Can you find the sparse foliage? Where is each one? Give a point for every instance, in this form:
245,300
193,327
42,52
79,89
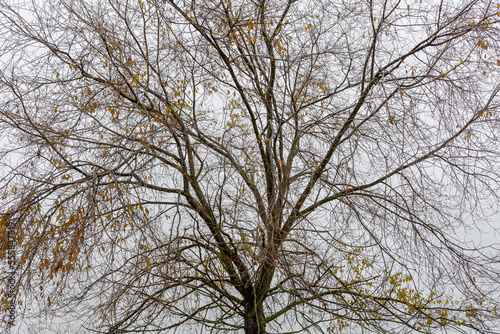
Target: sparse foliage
266,166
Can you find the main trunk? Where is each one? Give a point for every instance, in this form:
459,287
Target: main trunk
254,319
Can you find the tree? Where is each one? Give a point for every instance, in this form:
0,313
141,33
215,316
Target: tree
263,166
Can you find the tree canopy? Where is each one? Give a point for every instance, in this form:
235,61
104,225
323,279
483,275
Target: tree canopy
263,166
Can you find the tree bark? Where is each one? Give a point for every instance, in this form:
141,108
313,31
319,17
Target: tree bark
254,319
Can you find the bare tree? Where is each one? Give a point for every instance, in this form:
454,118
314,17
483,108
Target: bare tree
263,166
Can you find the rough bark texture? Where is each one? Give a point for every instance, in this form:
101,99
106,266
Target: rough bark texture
254,319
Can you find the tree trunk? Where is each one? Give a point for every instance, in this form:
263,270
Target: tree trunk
254,319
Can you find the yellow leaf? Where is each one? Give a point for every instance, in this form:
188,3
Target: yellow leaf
482,44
